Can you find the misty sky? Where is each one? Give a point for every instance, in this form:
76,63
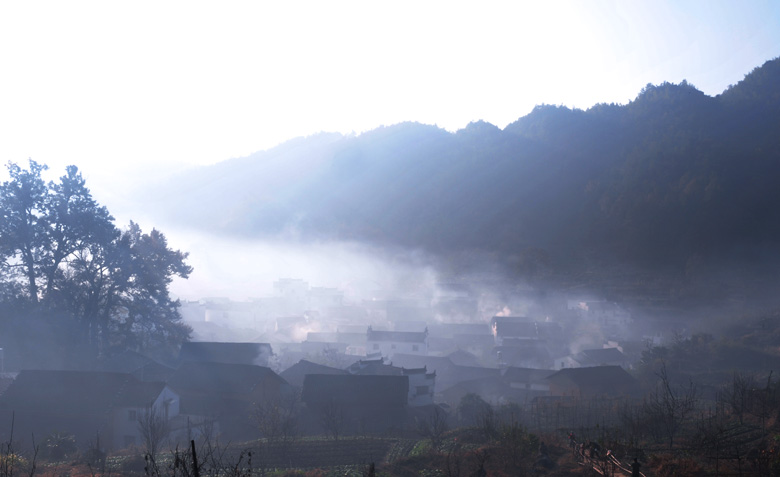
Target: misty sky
134,85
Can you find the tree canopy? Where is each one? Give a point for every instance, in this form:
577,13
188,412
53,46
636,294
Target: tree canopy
68,274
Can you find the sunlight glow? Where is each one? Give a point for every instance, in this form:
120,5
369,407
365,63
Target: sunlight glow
113,87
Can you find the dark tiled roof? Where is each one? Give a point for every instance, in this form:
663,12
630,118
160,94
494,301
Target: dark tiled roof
356,390
535,350
143,393
466,373
595,376
376,367
216,352
77,392
431,363
410,371
548,329
474,340
221,378
397,336
154,372
463,328
526,375
521,329
352,337
510,320
491,389
595,357
296,373
321,337
126,362
463,358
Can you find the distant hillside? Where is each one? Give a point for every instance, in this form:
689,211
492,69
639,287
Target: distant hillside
675,181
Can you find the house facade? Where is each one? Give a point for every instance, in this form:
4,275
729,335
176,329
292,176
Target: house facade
357,403
422,386
592,382
257,354
421,383
131,411
90,405
388,343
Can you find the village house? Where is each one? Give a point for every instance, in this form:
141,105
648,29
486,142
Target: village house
296,373
593,357
389,343
609,316
140,366
91,405
227,393
257,354
461,357
592,382
422,384
522,353
350,342
513,327
444,338
478,345
530,379
355,403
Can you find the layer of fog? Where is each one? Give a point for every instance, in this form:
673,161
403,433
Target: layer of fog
243,269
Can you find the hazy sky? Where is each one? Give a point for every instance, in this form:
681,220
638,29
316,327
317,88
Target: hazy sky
139,84
122,88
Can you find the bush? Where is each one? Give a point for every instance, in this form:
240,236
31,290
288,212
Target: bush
58,446
11,464
670,466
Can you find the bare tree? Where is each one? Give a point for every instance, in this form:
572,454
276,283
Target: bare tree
670,407
738,396
154,428
433,426
332,419
765,402
277,418
454,460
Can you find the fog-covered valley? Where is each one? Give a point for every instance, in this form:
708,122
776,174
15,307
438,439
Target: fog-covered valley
610,273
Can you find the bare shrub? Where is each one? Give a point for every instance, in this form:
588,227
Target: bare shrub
154,429
668,407
433,426
332,419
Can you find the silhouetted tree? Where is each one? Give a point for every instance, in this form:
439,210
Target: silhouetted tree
154,428
332,419
670,407
433,425
62,256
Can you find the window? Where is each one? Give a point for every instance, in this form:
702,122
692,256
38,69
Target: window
392,346
415,348
131,415
422,390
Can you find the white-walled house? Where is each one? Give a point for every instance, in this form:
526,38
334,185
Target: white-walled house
422,386
613,319
86,404
389,343
152,401
593,357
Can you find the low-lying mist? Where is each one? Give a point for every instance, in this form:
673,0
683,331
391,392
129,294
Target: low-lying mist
240,269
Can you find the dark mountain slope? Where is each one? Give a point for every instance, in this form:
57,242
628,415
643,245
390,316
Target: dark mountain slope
673,181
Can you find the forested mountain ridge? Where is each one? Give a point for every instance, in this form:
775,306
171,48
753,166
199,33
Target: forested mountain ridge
674,181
